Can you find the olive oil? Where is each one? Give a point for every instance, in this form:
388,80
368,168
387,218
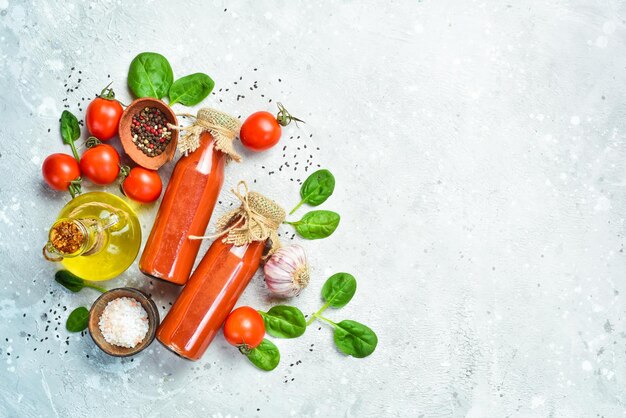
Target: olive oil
96,236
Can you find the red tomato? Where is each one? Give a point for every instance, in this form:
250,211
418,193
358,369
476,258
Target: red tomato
59,170
100,164
103,117
244,327
142,185
260,131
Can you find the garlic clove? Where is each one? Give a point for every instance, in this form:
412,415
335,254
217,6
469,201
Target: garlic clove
287,271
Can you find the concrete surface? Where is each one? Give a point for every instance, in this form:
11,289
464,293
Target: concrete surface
479,153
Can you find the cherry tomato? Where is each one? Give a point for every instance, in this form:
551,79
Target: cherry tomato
103,115
260,131
59,170
142,185
100,164
244,327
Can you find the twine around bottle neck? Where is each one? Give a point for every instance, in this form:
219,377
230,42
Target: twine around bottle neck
247,223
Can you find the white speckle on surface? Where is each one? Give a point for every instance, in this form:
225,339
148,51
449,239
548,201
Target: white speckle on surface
575,120
586,366
602,41
609,27
4,218
48,108
54,65
602,204
536,402
47,392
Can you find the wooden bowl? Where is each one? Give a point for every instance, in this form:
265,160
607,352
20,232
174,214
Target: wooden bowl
96,312
153,163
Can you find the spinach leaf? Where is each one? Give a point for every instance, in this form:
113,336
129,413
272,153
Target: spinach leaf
283,321
70,131
69,280
339,289
78,320
355,339
317,224
316,188
191,89
266,356
150,75
74,283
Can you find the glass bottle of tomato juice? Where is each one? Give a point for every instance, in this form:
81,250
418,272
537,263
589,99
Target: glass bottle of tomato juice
218,281
186,209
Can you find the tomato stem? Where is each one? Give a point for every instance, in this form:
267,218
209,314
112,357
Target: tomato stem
244,349
284,118
92,141
107,92
124,171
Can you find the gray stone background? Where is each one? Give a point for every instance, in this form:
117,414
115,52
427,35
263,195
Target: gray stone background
479,153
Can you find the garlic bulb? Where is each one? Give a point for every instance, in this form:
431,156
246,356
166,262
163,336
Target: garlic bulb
287,272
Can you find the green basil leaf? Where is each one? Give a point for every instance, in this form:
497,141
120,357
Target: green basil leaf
355,339
317,187
78,320
150,75
266,356
283,321
339,289
191,89
317,224
70,130
69,280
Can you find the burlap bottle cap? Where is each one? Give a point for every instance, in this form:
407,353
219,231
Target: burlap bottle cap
223,127
257,219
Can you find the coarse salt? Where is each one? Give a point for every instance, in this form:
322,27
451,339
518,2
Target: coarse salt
124,322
